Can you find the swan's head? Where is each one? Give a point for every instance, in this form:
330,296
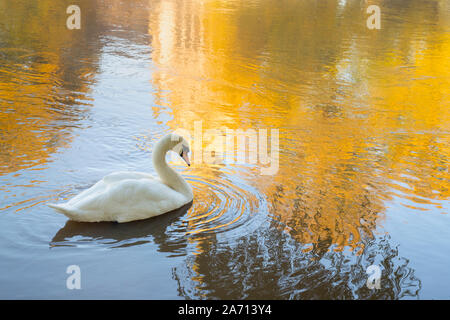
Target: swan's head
180,146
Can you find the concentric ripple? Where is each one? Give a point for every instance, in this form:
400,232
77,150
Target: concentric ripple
224,205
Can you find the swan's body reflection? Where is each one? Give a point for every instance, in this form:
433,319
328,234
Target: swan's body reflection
127,234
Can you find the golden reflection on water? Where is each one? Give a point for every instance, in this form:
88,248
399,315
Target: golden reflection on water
40,86
363,116
363,119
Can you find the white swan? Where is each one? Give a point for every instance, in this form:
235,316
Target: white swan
127,196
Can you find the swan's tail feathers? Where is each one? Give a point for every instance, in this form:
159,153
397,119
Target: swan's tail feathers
62,208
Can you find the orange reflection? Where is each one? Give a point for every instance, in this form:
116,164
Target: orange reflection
362,116
42,88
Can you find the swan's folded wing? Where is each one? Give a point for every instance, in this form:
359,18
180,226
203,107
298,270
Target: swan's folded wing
101,186
127,199
124,175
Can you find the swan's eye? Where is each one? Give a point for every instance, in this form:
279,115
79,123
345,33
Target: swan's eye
181,153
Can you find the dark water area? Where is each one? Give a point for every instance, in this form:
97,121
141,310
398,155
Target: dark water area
362,176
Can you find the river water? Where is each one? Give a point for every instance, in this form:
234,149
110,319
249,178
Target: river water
361,175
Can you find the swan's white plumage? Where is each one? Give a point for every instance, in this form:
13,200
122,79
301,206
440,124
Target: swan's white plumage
128,196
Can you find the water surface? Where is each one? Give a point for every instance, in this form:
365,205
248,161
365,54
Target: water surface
363,118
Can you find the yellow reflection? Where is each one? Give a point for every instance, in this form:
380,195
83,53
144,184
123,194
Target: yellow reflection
363,116
40,84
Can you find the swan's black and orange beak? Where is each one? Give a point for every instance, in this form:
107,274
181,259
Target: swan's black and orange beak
184,154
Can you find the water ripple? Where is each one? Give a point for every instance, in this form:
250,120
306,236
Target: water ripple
223,206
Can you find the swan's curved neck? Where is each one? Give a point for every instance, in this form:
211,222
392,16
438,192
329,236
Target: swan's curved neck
168,175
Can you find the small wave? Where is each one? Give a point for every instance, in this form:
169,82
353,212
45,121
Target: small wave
224,206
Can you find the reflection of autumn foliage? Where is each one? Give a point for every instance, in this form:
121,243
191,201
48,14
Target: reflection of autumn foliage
46,72
272,265
363,116
43,84
326,216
